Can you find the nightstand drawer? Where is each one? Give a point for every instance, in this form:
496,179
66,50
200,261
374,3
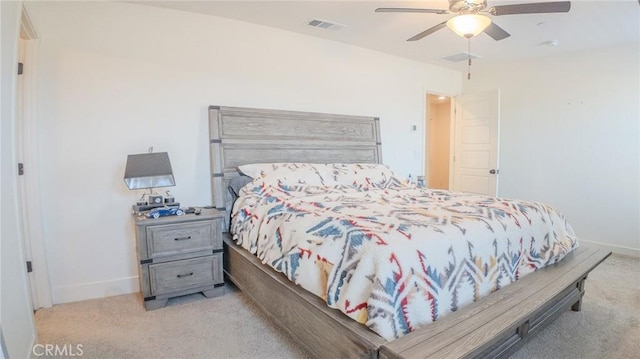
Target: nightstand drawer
173,239
181,275
180,255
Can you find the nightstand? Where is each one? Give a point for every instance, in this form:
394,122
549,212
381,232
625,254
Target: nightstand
179,255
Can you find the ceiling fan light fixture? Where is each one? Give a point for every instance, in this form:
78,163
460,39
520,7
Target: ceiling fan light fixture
468,25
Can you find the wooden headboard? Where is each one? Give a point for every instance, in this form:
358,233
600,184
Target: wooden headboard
240,136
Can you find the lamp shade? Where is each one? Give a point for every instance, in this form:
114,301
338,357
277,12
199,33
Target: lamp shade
148,170
468,25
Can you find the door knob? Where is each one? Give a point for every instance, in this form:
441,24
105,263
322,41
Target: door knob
494,171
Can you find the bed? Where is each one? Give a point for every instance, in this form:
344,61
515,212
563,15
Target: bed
493,326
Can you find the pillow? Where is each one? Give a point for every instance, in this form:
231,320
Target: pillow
236,184
289,174
362,174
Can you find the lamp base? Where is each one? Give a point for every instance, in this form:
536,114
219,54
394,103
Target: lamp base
146,207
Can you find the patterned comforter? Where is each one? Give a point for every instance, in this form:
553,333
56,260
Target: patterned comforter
392,256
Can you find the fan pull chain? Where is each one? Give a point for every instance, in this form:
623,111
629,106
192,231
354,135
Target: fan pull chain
469,55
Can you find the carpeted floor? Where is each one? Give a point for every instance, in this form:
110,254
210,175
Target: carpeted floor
232,327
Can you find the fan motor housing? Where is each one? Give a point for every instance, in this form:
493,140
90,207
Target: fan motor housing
467,6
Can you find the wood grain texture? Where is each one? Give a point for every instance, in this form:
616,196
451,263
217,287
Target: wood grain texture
477,329
175,276
239,136
190,237
494,326
324,332
179,255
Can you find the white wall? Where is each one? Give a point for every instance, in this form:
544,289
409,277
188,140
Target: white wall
570,135
16,318
116,78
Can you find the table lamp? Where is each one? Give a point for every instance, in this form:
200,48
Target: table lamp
149,170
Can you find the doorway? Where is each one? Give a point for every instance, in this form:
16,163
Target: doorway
462,142
438,139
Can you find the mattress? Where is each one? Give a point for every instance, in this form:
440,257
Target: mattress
391,256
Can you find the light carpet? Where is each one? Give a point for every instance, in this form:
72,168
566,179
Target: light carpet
232,327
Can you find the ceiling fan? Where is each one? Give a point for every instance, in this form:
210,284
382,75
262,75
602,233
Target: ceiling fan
469,19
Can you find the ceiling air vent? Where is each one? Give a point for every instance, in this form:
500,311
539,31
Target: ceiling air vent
463,56
324,24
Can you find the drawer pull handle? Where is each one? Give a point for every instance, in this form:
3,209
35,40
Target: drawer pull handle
182,238
185,275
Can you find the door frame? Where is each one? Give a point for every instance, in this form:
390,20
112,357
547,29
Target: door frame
452,136
427,134
29,202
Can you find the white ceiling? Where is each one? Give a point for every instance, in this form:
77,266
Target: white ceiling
589,25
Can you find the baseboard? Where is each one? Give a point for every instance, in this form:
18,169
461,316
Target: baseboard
633,252
74,293
84,291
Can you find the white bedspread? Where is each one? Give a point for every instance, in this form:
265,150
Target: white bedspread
398,257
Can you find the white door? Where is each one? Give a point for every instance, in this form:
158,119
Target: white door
477,130
28,184
21,182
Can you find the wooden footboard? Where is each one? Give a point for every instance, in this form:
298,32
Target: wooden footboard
500,323
322,331
492,327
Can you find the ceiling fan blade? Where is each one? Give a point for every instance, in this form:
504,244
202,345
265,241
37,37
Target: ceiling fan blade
428,31
400,9
533,8
496,32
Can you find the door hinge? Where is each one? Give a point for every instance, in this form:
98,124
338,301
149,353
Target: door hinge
29,267
20,169
20,68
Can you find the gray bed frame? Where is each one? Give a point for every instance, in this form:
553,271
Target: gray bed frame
492,327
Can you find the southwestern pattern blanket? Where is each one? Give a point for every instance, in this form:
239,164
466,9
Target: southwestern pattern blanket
387,254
